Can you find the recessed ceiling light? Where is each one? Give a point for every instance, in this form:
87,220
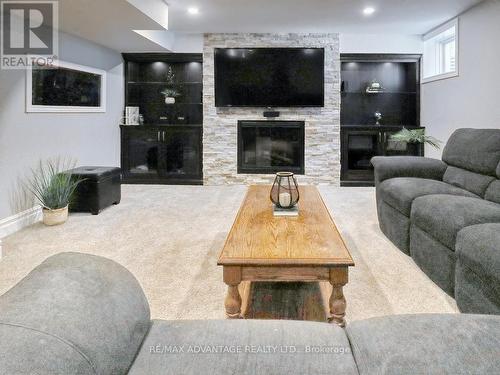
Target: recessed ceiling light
368,11
193,10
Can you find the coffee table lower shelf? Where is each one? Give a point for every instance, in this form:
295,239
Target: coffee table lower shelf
238,277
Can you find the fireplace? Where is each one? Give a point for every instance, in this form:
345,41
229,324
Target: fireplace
266,147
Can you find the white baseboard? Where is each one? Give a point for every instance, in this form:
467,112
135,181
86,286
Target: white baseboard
18,221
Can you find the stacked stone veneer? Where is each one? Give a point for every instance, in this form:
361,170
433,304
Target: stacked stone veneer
322,125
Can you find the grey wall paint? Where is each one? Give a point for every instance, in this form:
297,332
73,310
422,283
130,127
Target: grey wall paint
471,99
25,138
381,43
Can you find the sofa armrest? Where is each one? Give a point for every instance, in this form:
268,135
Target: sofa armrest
387,167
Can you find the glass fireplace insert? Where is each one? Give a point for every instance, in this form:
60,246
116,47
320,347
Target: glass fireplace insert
266,147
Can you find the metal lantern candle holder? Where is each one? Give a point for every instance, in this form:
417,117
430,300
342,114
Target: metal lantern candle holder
285,191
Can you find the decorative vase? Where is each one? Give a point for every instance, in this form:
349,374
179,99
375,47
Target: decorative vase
285,191
55,217
169,100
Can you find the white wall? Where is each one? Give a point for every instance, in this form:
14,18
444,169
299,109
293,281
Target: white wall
349,43
380,43
25,138
188,43
473,98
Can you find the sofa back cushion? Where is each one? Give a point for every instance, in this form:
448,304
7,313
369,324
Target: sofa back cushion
87,308
476,150
474,182
493,192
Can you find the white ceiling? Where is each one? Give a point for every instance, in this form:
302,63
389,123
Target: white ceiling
345,16
111,22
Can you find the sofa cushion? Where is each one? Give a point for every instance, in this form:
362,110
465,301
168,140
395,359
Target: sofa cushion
472,295
477,150
395,225
25,351
493,192
477,280
244,347
443,216
474,182
400,192
435,259
427,343
92,304
478,248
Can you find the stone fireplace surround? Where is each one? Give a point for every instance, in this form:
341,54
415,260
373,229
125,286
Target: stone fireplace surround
322,125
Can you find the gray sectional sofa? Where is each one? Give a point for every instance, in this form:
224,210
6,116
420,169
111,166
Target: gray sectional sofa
83,314
445,214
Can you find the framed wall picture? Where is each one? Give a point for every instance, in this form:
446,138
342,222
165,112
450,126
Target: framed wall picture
65,87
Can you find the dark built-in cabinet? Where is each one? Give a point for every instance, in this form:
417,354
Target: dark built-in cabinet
167,148
161,154
386,84
360,143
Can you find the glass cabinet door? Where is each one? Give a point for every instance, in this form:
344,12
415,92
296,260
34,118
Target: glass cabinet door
143,151
395,148
181,153
358,148
361,148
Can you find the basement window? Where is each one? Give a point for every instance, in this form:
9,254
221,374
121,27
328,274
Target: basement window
441,52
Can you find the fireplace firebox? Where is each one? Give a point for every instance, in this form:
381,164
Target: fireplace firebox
266,147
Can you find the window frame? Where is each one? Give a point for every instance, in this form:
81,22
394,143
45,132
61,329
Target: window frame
431,34
33,108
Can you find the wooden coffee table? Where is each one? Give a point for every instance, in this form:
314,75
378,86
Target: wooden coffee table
262,247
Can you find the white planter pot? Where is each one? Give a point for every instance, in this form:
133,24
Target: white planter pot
169,100
55,217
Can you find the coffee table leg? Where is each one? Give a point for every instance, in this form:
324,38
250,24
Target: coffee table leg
338,278
232,303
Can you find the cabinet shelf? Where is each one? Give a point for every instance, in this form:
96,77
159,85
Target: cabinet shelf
135,104
164,83
379,93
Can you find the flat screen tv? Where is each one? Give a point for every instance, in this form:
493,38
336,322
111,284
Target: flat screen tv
269,77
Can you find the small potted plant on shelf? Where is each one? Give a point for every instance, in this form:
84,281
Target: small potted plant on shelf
170,95
53,189
414,137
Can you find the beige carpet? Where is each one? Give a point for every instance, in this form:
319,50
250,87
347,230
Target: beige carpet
169,237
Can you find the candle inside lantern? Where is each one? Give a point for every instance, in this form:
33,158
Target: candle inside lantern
285,199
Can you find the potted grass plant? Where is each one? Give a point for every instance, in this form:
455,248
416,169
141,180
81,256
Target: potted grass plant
415,137
53,189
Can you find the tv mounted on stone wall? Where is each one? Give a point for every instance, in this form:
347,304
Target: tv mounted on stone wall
269,77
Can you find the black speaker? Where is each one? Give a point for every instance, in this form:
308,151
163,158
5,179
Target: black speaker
271,114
